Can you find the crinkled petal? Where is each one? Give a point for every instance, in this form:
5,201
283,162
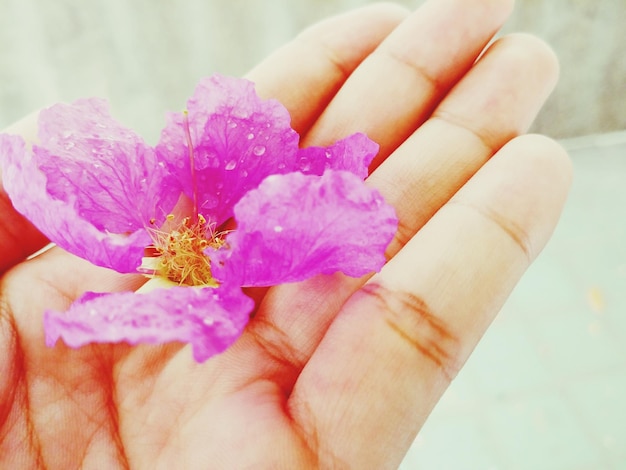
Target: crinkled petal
103,169
60,222
209,319
353,154
238,139
295,226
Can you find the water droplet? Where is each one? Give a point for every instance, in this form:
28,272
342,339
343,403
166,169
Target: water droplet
232,125
278,228
231,165
305,166
328,154
258,150
250,136
211,202
208,321
214,162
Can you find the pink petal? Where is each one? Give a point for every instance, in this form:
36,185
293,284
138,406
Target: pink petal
103,169
59,221
295,226
238,140
353,154
209,319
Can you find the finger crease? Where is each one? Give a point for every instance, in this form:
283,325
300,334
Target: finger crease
329,53
512,230
403,234
276,345
411,319
486,140
420,71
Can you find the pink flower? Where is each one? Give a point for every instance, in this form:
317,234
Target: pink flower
97,190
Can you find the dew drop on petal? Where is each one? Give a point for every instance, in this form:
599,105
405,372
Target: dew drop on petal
328,154
211,202
232,125
278,228
250,136
258,150
230,165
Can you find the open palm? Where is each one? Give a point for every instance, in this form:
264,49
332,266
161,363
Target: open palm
333,372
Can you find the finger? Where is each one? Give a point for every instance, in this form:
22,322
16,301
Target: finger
399,341
18,237
496,100
396,87
304,74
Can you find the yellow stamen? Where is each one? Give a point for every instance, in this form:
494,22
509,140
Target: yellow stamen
180,253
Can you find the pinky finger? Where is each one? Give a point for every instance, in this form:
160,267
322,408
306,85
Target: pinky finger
399,341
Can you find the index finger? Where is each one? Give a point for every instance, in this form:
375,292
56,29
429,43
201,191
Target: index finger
305,74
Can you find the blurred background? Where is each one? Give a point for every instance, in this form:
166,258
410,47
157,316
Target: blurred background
147,56
546,389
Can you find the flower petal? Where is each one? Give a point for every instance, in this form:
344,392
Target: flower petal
295,226
103,169
353,154
60,222
209,319
238,139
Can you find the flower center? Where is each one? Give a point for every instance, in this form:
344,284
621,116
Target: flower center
178,254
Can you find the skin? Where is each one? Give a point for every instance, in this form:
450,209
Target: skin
333,372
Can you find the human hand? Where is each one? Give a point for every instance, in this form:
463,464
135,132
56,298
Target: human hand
334,371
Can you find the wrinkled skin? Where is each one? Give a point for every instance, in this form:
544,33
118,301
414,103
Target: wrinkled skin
332,372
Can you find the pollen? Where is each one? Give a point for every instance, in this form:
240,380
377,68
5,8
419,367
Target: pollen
178,254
